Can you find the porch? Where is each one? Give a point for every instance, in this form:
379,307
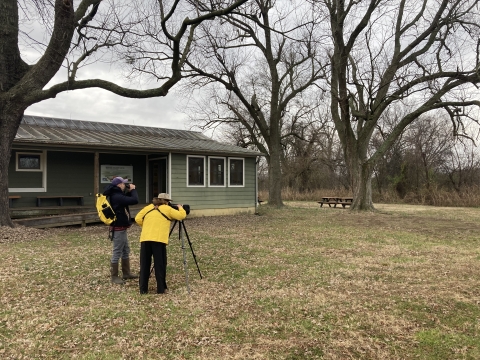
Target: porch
56,216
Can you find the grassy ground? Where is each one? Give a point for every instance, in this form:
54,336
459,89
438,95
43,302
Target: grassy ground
296,283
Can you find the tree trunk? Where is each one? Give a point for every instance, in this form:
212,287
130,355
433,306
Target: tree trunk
361,175
275,175
7,134
18,80
362,190
12,69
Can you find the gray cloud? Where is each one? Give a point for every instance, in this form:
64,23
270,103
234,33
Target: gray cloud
100,105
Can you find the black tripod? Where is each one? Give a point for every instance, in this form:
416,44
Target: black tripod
182,242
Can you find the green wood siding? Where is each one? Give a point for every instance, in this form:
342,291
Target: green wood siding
70,173
212,197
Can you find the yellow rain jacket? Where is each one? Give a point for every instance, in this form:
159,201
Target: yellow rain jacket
155,227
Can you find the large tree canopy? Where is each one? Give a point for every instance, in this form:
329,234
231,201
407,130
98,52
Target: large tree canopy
258,71
80,33
420,55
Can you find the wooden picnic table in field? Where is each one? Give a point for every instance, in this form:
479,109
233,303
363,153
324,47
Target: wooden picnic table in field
336,200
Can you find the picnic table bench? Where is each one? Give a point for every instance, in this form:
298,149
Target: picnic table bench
336,200
11,198
60,198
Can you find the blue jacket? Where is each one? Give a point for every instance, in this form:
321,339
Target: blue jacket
120,202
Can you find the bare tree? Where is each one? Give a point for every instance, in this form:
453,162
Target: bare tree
389,170
313,157
438,158
462,166
301,155
265,58
429,141
77,36
426,157
423,55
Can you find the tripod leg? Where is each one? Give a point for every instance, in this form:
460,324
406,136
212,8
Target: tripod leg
184,255
191,248
173,227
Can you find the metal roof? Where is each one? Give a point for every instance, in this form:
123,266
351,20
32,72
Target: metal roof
98,135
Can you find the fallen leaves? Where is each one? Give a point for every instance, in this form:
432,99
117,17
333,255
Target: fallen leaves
300,283
21,234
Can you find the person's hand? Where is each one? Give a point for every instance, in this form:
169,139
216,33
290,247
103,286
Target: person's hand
180,206
132,187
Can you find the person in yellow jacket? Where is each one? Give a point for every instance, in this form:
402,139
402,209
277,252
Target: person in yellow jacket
155,222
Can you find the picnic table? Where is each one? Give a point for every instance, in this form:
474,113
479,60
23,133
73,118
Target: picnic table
336,200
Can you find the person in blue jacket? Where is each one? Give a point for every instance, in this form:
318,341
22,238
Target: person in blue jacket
120,197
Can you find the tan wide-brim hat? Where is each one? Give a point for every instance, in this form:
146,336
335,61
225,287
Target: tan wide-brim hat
164,196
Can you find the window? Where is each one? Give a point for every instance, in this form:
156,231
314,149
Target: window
29,162
196,171
216,171
36,163
236,175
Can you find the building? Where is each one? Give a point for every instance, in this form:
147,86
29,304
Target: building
61,162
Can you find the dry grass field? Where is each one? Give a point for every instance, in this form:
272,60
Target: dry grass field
296,283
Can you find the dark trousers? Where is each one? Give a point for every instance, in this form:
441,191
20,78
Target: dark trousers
159,252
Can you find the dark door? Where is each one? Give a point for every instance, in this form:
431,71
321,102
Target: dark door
158,177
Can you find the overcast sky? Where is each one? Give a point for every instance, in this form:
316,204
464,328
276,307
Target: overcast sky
101,105
97,104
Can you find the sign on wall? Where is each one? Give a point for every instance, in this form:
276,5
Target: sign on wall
108,172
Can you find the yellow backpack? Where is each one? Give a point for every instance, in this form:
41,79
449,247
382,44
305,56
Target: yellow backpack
105,210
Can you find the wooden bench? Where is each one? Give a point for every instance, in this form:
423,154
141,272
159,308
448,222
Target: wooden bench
60,199
11,198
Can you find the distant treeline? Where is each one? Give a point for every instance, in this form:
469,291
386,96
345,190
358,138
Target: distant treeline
427,166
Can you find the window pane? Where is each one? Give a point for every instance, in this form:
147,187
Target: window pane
195,171
236,172
29,161
217,171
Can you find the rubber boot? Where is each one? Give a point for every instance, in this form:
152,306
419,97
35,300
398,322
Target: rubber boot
126,270
114,273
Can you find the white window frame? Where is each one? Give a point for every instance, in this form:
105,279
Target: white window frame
43,169
204,171
224,171
243,172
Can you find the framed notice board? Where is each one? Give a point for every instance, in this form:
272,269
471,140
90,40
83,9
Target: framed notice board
108,172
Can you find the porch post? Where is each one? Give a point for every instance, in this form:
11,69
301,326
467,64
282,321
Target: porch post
96,175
